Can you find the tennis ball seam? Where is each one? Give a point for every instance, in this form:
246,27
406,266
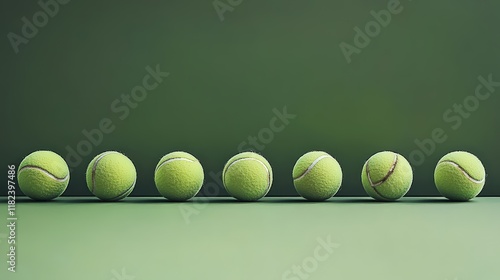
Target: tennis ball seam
249,158
172,159
94,167
123,194
469,177
47,173
310,167
389,173
384,179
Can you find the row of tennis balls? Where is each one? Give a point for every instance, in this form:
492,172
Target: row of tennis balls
248,176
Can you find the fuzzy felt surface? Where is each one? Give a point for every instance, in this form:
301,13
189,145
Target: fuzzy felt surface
179,176
43,175
111,176
317,176
459,176
387,176
247,176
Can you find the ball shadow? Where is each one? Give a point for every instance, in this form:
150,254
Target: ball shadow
435,200
359,200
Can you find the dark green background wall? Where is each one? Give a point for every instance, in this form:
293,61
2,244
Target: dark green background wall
228,77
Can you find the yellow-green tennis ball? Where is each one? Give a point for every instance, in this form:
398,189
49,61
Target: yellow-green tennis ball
178,176
317,176
111,176
387,176
247,176
43,175
459,176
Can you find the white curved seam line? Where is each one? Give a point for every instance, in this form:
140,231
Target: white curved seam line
45,172
465,173
173,159
94,167
267,169
310,167
382,181
127,191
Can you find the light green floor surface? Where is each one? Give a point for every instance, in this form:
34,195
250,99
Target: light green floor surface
275,238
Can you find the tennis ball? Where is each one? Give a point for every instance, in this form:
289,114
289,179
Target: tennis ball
111,176
387,176
317,176
178,176
459,176
247,176
43,175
